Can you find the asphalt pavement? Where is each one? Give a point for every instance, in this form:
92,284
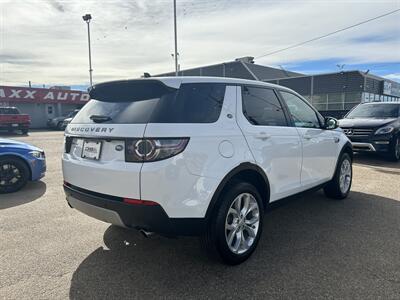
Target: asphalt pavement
312,247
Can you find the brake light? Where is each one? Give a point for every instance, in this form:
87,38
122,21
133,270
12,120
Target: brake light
68,144
140,202
153,149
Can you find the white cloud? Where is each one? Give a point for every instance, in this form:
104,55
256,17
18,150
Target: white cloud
394,76
46,42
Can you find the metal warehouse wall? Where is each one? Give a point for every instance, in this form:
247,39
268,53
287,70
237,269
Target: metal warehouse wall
302,85
325,84
338,82
37,111
373,85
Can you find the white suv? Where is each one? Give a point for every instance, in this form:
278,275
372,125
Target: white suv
199,156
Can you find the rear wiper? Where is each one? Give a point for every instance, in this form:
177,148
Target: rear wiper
100,118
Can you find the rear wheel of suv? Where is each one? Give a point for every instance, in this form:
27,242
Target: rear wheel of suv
235,228
339,186
394,150
14,174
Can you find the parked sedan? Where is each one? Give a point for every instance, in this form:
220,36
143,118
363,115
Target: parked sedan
66,122
19,163
57,123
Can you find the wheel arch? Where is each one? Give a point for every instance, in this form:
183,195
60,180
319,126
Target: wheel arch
347,148
248,172
21,158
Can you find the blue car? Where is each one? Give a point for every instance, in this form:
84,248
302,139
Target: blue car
19,163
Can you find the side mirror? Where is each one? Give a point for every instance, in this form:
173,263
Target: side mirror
331,123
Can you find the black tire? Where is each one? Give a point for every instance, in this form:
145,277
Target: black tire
394,149
9,184
60,126
333,189
25,131
215,240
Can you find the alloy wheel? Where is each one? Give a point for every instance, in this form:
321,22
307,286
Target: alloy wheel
9,174
242,223
345,176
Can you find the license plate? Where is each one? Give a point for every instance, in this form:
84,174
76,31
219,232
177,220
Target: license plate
91,149
14,125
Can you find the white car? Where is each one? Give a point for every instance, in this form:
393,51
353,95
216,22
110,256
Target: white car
199,156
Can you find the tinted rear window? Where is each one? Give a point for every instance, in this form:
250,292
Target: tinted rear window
191,103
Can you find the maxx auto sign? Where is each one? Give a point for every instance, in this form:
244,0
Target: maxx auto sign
36,95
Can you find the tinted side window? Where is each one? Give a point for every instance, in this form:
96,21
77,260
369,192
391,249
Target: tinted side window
261,107
303,115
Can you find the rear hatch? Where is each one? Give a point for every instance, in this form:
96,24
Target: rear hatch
99,138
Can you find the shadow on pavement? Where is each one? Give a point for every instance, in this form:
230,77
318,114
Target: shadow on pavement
9,135
375,160
31,192
311,247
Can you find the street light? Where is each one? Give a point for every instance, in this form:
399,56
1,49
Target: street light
176,42
87,19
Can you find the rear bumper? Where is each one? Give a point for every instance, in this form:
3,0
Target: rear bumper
113,210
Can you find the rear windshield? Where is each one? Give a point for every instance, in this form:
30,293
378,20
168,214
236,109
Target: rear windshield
191,103
377,111
9,111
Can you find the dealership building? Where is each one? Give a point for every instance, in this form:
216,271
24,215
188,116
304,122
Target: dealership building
42,104
332,94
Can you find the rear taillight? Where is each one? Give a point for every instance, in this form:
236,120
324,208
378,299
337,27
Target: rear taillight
153,149
68,144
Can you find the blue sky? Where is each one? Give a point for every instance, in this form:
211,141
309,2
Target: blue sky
47,43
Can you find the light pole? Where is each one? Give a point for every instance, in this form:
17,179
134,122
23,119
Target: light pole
176,42
87,19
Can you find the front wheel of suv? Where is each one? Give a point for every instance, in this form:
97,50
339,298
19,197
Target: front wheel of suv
235,228
394,150
339,186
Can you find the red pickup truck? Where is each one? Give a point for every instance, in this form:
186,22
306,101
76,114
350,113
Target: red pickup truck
12,120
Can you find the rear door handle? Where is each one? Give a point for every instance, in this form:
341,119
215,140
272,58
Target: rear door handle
307,137
263,136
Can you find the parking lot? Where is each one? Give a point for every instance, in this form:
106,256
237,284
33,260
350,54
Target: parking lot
312,247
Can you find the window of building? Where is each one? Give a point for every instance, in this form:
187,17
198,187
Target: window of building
262,107
320,101
335,101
